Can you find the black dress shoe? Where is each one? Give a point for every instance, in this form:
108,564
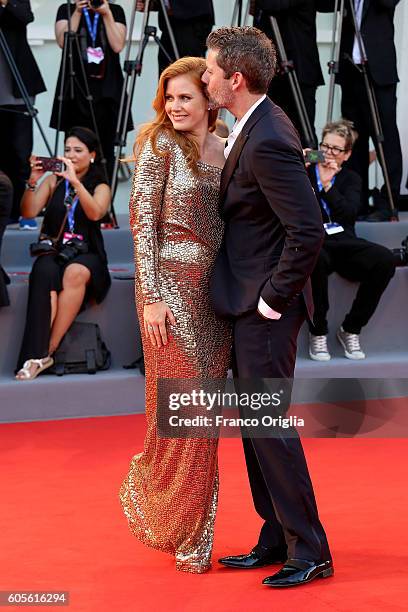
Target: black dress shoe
299,571
258,557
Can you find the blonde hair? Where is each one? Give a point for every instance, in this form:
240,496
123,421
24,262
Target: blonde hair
344,128
191,66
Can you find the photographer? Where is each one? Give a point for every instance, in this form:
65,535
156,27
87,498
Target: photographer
101,27
376,22
191,23
16,128
71,266
297,24
6,200
339,190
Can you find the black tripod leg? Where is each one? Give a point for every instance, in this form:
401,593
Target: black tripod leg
22,88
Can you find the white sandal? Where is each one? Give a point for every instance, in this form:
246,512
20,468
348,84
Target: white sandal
43,364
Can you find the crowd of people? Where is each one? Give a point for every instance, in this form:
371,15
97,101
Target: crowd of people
82,189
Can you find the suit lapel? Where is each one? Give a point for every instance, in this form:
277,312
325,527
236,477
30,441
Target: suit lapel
231,162
236,150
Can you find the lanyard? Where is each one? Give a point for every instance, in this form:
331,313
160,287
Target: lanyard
91,27
325,206
70,205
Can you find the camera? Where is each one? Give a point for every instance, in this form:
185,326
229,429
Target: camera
71,249
95,3
44,246
51,164
401,254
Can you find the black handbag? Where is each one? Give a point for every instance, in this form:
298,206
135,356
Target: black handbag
82,351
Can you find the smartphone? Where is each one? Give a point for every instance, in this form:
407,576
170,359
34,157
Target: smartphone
315,157
52,164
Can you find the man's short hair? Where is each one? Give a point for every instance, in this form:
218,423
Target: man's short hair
344,128
246,50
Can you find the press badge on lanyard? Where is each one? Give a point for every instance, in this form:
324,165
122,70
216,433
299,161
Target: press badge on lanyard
331,227
70,216
94,54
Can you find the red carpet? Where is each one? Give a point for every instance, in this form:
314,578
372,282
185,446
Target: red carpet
63,529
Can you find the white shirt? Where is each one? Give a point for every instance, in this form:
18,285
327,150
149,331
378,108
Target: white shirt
358,6
263,307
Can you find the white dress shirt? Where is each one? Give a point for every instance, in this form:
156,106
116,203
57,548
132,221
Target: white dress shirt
263,307
358,6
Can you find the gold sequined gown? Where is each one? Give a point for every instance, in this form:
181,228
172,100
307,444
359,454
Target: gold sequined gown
170,493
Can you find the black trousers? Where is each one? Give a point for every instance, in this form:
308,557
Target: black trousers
280,483
354,106
16,145
372,265
190,35
280,92
6,201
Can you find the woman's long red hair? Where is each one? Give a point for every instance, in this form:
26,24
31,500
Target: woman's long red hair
195,68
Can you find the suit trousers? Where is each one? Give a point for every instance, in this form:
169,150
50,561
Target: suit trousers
354,106
280,483
372,265
6,200
190,35
16,130
280,92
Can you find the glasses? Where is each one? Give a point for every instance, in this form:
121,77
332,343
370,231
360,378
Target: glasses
331,149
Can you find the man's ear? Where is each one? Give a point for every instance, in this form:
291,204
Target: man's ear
237,80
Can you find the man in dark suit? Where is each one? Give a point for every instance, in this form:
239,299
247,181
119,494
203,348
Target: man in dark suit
191,23
297,24
16,129
372,265
376,19
273,233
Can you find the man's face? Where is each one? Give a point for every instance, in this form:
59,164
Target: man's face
219,89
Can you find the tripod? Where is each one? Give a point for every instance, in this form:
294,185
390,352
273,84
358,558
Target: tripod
372,102
288,69
31,110
237,14
70,85
132,70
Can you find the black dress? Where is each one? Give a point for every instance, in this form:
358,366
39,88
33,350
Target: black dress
46,274
106,91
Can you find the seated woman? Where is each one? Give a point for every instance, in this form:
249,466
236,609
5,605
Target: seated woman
75,201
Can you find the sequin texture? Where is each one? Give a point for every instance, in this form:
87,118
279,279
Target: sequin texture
170,493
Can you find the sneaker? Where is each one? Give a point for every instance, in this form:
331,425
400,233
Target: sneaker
28,224
351,344
318,348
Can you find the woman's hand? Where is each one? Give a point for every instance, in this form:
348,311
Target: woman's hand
327,172
69,173
103,10
37,171
155,316
81,5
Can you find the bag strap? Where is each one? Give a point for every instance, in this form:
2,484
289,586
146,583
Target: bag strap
57,238
91,361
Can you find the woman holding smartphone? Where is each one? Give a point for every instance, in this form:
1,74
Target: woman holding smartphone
71,264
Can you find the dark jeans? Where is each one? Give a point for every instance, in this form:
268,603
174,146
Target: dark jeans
16,144
190,35
6,200
280,483
281,93
372,265
354,106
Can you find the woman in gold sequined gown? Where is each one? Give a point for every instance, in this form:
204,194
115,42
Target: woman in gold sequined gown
170,493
